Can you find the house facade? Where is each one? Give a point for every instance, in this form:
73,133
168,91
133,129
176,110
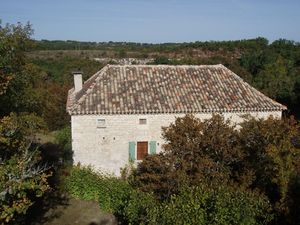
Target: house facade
118,113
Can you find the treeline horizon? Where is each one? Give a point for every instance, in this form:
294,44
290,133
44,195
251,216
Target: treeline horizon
252,43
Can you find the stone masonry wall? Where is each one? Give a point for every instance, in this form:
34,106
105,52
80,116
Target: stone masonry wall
106,148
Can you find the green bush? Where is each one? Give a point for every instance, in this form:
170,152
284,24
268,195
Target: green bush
114,195
212,205
63,138
138,207
64,141
202,204
86,184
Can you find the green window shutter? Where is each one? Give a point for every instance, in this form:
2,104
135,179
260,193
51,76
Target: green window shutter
131,151
152,147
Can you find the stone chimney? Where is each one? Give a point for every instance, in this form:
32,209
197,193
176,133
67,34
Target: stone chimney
77,80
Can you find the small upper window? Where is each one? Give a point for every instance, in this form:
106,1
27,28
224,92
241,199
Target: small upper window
143,121
101,123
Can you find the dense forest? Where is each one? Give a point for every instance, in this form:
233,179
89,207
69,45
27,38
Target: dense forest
257,167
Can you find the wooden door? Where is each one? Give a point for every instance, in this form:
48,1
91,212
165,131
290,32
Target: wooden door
142,150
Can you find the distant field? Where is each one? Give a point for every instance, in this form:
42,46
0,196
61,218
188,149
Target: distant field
46,54
91,54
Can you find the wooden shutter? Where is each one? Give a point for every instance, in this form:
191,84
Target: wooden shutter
152,147
142,150
131,151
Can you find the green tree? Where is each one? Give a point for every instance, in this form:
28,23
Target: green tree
14,40
272,149
195,151
17,78
22,176
261,155
276,81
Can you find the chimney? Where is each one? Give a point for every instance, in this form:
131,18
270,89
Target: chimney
77,80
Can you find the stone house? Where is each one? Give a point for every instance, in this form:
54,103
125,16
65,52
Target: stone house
117,114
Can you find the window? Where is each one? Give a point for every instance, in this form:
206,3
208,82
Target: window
139,150
142,150
142,121
101,123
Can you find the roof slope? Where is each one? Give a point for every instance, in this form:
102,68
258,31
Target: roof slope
140,89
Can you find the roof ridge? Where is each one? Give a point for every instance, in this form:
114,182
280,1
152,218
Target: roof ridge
166,65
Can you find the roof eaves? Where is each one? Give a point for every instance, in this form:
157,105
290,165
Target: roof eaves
134,112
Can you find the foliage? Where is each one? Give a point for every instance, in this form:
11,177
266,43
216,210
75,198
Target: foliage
22,176
293,202
214,204
114,195
53,111
17,132
86,184
57,80
22,179
59,70
139,207
157,174
260,155
252,44
63,138
201,204
30,92
17,78
195,151
275,71
24,86
14,40
272,154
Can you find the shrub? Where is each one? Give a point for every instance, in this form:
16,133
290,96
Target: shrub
157,174
63,139
138,208
23,176
114,195
86,184
22,181
216,204
194,151
272,153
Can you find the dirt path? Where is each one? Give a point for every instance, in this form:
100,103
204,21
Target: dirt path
77,212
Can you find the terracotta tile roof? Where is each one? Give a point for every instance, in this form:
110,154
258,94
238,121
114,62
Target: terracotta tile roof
140,89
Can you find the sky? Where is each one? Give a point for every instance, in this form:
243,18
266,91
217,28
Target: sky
156,21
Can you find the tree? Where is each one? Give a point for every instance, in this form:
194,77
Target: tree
22,179
275,80
194,152
17,131
14,40
22,176
272,149
18,78
261,155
